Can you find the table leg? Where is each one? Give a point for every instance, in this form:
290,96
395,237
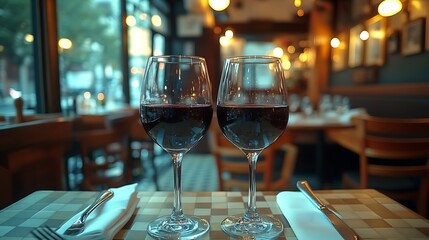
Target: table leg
321,164
155,173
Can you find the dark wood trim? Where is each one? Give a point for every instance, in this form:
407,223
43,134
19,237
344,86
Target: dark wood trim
46,63
410,89
124,53
257,27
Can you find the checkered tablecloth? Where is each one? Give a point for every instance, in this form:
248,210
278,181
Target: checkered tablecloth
371,214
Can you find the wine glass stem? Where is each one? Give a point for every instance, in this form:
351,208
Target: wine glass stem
177,205
251,205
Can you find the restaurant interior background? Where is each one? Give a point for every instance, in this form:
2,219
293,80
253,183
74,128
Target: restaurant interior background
81,56
67,56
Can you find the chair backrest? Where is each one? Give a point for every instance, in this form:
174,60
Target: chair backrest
32,157
19,110
129,120
392,139
87,122
105,158
232,161
20,117
394,148
137,131
109,135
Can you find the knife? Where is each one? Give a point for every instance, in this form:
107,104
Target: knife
345,231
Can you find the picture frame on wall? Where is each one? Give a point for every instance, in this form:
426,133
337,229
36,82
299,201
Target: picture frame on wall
413,37
427,33
356,46
375,51
394,42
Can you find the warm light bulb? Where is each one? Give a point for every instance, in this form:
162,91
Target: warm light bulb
224,41
389,7
278,52
229,34
286,64
130,21
335,42
65,43
29,38
303,57
156,20
87,95
219,5
364,35
100,96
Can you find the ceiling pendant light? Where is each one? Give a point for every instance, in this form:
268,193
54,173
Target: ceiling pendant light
219,5
389,8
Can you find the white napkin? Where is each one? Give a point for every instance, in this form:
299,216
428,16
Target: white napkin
305,219
347,116
107,219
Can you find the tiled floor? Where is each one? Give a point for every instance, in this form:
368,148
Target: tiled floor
199,173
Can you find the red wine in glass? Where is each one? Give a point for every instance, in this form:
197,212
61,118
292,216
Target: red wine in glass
176,127
252,116
268,123
176,111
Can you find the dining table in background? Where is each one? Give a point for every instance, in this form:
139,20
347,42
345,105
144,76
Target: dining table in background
319,125
370,213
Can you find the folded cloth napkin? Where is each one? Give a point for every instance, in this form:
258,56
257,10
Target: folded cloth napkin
107,219
305,219
347,116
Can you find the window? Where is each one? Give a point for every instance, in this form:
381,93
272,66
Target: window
139,44
17,78
90,54
147,30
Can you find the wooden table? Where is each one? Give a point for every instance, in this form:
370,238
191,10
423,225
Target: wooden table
370,213
347,138
318,125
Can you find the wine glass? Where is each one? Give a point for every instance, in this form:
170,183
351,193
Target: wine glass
307,106
252,112
294,102
176,111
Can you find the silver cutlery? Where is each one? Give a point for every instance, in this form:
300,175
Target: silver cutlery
46,233
345,231
79,225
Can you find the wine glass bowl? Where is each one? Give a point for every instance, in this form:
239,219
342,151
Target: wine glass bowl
176,112
252,112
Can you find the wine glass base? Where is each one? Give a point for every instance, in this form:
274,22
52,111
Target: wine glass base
266,227
189,227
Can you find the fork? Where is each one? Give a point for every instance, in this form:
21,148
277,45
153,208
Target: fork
79,225
46,233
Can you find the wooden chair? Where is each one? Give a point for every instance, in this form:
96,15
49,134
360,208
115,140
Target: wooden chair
19,110
233,167
393,156
89,122
142,147
20,117
32,157
140,144
105,154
